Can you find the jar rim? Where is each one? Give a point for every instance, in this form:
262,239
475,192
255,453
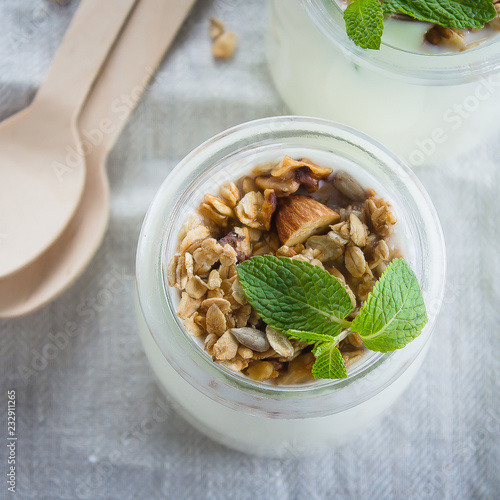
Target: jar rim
156,308
435,69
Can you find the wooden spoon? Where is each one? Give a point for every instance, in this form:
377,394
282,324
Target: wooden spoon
42,166
146,37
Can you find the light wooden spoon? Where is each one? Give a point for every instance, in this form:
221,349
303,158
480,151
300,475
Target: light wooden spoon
146,37
42,171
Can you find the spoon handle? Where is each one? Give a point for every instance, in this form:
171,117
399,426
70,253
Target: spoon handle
85,46
131,64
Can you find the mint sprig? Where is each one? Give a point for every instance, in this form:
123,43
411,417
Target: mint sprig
309,304
394,313
364,22
292,294
364,18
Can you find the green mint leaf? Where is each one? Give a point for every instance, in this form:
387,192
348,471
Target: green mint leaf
309,337
364,21
295,295
394,313
446,13
329,362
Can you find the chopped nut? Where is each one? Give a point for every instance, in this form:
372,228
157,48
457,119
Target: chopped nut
187,306
267,209
299,370
262,370
288,166
352,357
328,248
282,187
285,251
216,321
226,347
450,38
248,208
355,339
364,289
299,217
224,45
379,215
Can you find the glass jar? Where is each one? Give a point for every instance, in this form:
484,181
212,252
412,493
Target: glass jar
425,107
256,417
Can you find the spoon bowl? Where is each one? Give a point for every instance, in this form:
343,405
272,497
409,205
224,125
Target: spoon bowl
43,162
146,37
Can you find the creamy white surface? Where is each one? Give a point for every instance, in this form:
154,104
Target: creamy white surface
423,123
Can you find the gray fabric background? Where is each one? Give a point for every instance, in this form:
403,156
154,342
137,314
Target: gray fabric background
84,408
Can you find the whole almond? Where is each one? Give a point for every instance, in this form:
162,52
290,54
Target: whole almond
299,217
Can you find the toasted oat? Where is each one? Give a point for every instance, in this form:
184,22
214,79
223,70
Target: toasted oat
235,365
238,292
226,347
248,208
180,270
242,315
192,327
196,287
187,306
230,192
214,280
216,321
223,304
262,370
194,239
210,341
245,352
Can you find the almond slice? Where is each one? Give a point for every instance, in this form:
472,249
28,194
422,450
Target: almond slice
299,217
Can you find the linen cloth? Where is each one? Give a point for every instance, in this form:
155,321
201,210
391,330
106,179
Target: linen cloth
85,406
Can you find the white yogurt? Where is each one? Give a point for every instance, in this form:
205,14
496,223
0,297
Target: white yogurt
424,105
250,416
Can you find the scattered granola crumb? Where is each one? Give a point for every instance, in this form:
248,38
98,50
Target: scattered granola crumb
216,28
225,45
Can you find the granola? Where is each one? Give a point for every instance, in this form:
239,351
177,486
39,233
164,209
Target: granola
292,208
